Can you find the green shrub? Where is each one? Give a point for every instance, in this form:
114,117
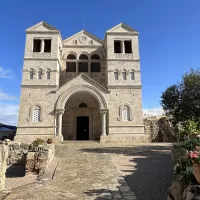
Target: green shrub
188,127
189,144
38,142
183,165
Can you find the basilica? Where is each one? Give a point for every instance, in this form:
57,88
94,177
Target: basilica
81,87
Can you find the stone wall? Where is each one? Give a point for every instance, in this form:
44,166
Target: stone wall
3,164
159,129
39,161
36,158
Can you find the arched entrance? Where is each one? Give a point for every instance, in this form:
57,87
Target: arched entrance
81,114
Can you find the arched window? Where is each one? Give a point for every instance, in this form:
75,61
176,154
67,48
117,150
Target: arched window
83,64
125,113
132,74
116,73
95,57
48,74
124,73
95,65
40,74
71,65
36,114
83,105
31,73
83,57
71,57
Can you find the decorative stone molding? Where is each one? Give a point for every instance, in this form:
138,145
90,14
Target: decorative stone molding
42,70
29,119
70,52
103,112
60,111
83,39
130,112
62,99
125,56
41,55
117,71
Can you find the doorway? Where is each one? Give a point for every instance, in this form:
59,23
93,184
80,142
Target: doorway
82,128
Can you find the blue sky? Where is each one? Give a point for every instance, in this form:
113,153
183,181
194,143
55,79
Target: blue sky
169,39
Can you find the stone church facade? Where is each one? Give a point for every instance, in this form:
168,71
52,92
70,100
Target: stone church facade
81,88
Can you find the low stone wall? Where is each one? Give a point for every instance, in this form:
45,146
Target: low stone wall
3,164
38,161
36,158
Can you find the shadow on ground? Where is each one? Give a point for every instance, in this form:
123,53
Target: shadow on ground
149,170
14,171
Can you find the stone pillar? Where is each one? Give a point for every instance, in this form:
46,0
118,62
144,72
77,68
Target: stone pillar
60,113
3,164
55,123
103,122
42,46
76,68
122,47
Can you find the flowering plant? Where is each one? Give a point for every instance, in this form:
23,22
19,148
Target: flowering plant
194,156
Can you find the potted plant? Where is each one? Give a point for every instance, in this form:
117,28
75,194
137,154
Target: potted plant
194,156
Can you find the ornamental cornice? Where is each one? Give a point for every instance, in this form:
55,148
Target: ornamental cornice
124,87
122,33
126,60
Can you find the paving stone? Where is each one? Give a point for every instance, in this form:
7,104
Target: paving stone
79,175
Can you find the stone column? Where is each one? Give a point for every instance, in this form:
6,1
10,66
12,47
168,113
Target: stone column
103,122
122,47
3,164
55,123
60,113
76,68
42,46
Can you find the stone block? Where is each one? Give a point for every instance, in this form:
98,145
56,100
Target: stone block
30,161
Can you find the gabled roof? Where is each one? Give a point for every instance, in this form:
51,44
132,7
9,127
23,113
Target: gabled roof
84,32
44,25
121,28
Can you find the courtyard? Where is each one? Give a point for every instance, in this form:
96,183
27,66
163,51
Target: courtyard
90,170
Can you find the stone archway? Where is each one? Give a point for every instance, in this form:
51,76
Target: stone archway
63,98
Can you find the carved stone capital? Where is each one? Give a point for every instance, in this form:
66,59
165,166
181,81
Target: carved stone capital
103,112
60,111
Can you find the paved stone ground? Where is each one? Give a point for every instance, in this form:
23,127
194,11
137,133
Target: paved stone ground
86,171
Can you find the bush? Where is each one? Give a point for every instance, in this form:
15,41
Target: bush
183,165
38,142
189,127
189,144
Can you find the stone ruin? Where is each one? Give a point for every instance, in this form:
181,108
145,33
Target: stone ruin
35,158
159,129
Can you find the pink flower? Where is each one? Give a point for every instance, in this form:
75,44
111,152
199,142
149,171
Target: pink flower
193,155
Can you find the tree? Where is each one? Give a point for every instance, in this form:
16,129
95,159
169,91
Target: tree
182,100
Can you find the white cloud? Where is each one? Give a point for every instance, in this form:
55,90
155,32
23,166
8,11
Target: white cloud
153,112
9,113
5,96
6,73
